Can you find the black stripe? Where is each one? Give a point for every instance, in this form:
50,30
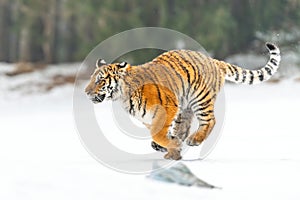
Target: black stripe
251,77
195,100
206,102
171,100
155,112
236,73
159,94
273,61
192,104
270,66
230,69
206,120
205,114
144,108
203,125
116,86
204,96
202,108
109,81
261,75
202,114
140,102
244,76
131,110
269,71
274,53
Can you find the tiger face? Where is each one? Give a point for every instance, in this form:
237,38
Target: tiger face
104,83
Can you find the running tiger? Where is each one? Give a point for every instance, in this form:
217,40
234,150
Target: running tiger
167,92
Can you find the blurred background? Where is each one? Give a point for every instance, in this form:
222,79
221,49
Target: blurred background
36,34
56,31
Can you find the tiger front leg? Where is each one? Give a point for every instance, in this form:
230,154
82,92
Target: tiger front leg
172,145
159,129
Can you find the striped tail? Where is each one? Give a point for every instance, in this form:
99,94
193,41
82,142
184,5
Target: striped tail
244,76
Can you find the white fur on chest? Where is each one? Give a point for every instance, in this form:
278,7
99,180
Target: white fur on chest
144,117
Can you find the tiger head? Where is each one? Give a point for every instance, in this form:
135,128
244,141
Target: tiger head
104,83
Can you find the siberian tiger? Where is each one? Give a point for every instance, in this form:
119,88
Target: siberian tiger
167,92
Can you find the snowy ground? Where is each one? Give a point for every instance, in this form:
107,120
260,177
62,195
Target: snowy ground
257,157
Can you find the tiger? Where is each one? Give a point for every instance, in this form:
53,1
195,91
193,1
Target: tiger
167,92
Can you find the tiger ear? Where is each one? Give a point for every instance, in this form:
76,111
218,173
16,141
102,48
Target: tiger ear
123,64
100,62
123,68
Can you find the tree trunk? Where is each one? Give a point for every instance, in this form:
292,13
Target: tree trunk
49,21
24,45
14,35
4,30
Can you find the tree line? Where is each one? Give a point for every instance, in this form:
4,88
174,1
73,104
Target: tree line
55,31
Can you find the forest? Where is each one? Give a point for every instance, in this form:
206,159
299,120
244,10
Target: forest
56,31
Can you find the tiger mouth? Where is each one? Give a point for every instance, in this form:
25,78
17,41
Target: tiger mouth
98,98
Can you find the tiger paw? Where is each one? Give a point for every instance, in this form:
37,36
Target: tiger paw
173,155
157,147
194,140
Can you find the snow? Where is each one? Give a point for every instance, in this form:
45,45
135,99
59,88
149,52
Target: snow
257,157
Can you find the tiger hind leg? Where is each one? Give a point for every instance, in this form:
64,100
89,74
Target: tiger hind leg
181,125
205,116
180,128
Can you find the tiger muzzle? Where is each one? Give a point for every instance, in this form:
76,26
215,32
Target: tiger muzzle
97,98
